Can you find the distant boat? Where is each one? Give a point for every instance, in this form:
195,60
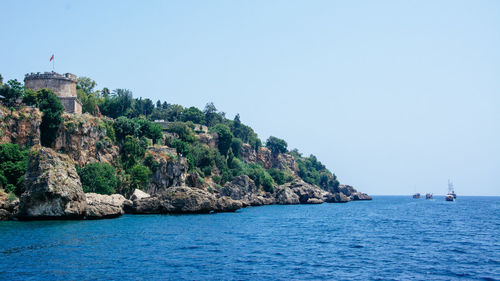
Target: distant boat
451,196
428,196
416,195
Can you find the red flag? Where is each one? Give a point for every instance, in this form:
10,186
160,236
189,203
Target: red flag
51,58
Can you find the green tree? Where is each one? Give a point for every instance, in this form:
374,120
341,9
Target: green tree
52,110
132,151
149,129
193,114
13,165
276,145
124,126
225,138
117,104
98,177
86,84
10,92
139,176
260,176
236,144
212,117
183,130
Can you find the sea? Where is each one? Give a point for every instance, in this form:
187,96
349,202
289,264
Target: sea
389,238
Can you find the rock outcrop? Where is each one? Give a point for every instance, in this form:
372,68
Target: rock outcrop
242,188
336,197
194,180
171,170
264,156
185,200
139,194
20,126
52,188
352,193
305,193
104,206
85,139
8,209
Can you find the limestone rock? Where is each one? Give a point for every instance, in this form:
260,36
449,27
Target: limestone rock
352,193
248,154
104,206
139,194
85,139
306,191
52,187
183,200
209,139
265,157
360,196
243,188
194,180
8,209
285,196
336,197
171,171
20,126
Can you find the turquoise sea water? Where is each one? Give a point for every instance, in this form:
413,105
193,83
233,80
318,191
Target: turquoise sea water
389,238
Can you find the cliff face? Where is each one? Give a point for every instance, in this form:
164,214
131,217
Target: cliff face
20,126
171,170
52,187
85,139
82,136
267,159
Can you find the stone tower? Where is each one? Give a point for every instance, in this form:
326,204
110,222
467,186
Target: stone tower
63,85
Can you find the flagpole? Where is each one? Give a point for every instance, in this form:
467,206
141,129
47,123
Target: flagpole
53,63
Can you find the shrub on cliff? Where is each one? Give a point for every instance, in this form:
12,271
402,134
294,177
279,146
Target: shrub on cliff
98,177
260,176
236,144
132,151
52,110
193,114
225,138
183,130
13,165
10,92
279,176
314,172
139,176
276,145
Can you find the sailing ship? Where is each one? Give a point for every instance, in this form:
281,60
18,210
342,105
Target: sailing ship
451,196
416,195
428,196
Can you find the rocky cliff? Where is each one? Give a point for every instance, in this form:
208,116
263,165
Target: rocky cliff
20,126
52,188
267,159
85,139
171,169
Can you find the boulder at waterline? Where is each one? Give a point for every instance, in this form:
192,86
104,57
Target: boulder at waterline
52,188
104,206
183,200
244,189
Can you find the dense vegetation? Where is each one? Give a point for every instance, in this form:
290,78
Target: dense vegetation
98,177
13,165
133,129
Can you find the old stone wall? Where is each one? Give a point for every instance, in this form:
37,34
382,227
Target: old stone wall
71,105
62,87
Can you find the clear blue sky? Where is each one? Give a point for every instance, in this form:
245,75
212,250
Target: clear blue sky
388,94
